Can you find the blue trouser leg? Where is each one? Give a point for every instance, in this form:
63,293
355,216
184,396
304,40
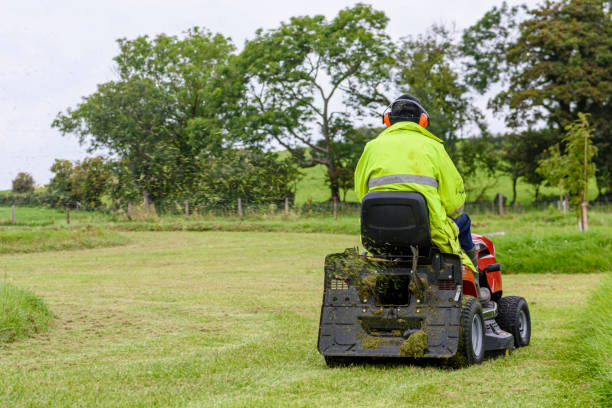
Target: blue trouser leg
465,234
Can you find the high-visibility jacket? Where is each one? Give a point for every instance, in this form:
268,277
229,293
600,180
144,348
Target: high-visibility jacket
407,157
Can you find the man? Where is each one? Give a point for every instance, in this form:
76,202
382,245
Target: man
407,157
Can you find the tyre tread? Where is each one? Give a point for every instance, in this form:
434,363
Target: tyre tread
508,308
464,355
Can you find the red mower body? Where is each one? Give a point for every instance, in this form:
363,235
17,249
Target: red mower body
486,258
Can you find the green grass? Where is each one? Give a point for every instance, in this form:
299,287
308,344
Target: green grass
593,335
39,216
230,320
22,313
546,252
14,241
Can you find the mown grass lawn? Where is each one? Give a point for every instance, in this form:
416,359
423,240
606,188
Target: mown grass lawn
231,318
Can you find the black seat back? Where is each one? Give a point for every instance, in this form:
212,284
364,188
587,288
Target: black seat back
392,221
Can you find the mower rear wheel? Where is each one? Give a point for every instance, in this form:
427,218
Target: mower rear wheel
514,318
472,333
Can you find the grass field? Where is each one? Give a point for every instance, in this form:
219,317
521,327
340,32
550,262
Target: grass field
230,319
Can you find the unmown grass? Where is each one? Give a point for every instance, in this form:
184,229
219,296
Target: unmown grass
594,339
549,241
22,313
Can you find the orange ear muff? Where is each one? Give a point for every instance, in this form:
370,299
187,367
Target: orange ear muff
423,120
386,119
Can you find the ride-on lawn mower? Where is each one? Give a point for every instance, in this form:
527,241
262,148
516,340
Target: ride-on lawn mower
405,298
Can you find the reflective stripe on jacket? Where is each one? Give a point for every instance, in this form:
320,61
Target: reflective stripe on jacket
407,157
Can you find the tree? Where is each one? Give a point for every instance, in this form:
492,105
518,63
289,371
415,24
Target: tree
558,64
170,105
198,74
131,119
23,183
572,170
521,154
428,70
60,185
90,180
83,181
348,149
298,72
250,174
485,45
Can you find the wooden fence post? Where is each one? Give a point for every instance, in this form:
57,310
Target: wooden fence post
286,205
335,207
129,212
239,207
13,214
500,203
187,210
67,213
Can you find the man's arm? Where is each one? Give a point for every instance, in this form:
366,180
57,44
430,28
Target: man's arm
450,186
361,175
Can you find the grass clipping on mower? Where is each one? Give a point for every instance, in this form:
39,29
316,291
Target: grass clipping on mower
415,345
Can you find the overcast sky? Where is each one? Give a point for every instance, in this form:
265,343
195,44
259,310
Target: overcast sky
52,53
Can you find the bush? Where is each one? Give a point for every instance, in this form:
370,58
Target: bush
22,313
23,183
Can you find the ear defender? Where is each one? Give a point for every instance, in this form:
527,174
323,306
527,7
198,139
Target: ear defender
386,120
423,120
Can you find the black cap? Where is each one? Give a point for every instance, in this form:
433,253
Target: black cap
406,108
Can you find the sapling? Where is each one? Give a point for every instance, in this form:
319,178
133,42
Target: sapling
571,170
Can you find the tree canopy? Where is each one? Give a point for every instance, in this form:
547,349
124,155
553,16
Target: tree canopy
553,65
300,71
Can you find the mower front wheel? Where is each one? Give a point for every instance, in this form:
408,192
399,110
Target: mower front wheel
472,333
514,318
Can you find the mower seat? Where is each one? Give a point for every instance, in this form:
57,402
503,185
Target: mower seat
393,221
